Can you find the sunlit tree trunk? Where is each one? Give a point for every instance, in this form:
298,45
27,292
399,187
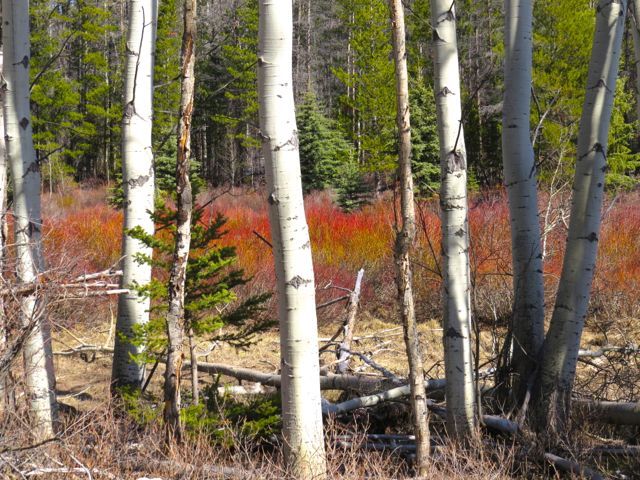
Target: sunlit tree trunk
138,185
25,172
405,237
461,408
552,395
301,407
175,316
520,180
634,25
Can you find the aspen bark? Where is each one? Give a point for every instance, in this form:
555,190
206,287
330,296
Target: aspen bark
552,395
405,236
521,183
175,316
138,185
461,407
25,173
301,401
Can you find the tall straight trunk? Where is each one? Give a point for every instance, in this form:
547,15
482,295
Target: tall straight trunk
634,25
301,407
25,172
4,381
461,408
405,237
520,180
175,315
138,184
552,395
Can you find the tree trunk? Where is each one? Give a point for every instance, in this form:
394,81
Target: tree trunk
138,184
175,316
301,408
25,172
520,179
195,387
405,237
5,380
552,395
634,24
461,408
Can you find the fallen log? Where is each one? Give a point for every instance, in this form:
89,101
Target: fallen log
602,351
330,381
570,466
616,413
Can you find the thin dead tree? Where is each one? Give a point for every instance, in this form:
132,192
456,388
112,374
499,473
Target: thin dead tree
177,278
405,236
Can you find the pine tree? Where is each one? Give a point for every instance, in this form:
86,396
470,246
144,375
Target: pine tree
323,149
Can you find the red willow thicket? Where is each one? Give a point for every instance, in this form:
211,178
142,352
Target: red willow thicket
83,232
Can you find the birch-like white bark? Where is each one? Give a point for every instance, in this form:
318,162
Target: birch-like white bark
405,236
138,184
301,407
552,395
461,408
25,173
520,180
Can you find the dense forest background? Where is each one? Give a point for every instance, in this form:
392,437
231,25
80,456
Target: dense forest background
343,82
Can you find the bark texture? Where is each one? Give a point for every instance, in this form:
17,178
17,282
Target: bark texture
138,185
634,25
301,407
175,315
25,172
461,408
552,395
405,237
520,179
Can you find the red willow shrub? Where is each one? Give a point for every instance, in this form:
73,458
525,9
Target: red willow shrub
82,229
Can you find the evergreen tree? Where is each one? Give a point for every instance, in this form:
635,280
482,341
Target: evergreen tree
211,298
322,147
424,139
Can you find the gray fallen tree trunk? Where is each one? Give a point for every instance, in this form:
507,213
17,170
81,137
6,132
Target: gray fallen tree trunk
616,413
572,467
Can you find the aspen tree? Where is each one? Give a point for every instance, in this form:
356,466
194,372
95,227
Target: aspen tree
301,407
460,395
552,394
520,180
25,173
138,184
175,315
405,237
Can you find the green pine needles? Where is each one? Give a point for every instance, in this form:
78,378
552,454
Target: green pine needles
211,299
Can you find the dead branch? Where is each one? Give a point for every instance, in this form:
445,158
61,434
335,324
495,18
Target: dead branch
570,466
343,352
79,471
624,350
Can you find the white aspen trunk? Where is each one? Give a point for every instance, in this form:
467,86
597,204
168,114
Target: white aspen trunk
405,236
138,184
178,276
461,407
520,181
25,172
301,407
634,25
552,396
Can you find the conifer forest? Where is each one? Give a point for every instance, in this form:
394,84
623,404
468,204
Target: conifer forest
314,240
